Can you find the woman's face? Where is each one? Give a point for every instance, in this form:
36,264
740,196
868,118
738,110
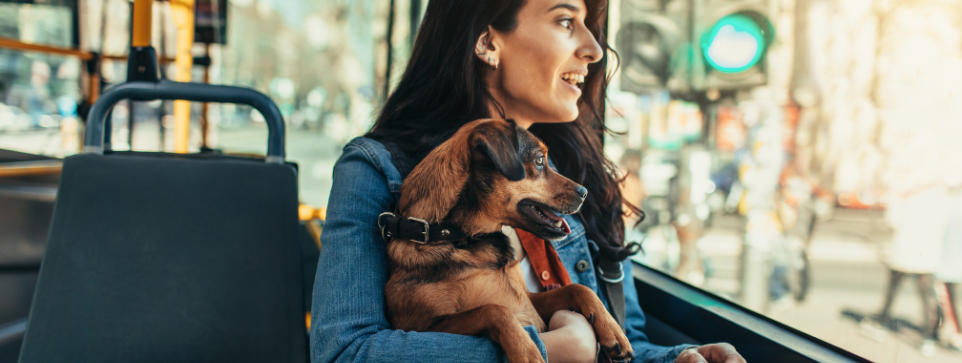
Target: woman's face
542,61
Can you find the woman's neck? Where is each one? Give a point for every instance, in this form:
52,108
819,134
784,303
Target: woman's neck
499,99
521,122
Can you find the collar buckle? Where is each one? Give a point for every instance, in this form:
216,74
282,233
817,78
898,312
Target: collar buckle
426,232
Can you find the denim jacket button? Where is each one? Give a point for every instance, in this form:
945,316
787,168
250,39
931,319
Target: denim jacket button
581,266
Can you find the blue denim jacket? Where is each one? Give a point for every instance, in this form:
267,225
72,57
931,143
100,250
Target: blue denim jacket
348,322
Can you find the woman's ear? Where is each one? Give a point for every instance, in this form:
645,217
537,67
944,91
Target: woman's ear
487,48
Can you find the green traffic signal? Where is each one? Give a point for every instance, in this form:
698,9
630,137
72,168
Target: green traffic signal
734,44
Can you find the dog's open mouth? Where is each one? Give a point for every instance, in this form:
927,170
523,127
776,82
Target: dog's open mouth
543,215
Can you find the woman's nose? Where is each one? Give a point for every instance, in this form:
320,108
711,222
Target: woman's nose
589,49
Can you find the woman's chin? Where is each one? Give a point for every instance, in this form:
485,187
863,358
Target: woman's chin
572,115
558,114
564,113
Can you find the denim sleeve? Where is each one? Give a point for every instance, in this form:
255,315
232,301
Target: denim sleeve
348,322
645,351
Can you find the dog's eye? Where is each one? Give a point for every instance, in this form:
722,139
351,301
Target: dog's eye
540,160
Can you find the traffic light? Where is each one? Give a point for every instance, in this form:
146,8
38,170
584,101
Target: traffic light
692,45
734,44
650,41
730,42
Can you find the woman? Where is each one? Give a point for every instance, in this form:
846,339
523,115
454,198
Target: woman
478,59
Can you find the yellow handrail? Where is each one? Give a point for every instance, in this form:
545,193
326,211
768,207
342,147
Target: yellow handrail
306,212
183,14
83,55
143,15
308,215
18,45
25,168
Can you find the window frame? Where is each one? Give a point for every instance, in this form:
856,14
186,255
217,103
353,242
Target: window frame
682,313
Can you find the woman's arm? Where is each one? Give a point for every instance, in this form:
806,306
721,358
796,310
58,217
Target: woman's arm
686,353
348,322
645,352
570,338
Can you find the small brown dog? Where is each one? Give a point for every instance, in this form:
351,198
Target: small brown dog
490,173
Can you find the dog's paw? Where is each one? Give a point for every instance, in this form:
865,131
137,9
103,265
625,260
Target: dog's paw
619,354
613,341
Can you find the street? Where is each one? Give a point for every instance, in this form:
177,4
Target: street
846,275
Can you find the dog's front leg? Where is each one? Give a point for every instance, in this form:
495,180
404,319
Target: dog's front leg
582,299
499,324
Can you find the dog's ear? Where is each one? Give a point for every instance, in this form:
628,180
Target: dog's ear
500,145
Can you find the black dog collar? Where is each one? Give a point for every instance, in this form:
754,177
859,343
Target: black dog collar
417,230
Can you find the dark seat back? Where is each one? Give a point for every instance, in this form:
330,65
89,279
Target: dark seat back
167,258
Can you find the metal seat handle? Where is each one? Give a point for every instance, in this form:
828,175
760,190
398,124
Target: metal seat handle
197,92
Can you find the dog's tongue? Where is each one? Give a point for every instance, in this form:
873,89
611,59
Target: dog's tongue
554,218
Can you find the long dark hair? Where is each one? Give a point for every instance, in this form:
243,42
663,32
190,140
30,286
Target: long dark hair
443,88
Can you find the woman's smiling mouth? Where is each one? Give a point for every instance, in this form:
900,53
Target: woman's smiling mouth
573,81
573,78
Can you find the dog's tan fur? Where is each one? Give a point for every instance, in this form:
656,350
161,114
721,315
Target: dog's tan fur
476,287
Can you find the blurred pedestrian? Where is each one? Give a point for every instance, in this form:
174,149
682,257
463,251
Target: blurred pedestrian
949,274
632,189
918,220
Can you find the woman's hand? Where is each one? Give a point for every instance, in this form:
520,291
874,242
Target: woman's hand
570,338
711,353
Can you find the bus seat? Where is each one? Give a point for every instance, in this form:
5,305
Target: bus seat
156,257
170,258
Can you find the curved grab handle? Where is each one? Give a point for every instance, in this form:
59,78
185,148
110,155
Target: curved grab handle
199,92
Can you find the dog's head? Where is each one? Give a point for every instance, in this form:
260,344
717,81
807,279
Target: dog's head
492,173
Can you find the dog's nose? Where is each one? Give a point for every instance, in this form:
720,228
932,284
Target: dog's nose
582,192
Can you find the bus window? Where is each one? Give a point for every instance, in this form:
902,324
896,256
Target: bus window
795,159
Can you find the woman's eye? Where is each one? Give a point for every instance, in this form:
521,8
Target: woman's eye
566,23
540,161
